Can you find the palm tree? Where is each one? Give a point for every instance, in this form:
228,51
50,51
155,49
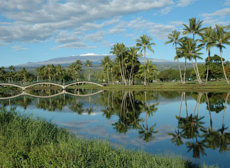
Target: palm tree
120,50
106,63
198,148
78,68
88,63
24,72
147,133
60,71
177,136
73,68
50,68
221,37
133,53
174,38
194,28
143,43
12,68
189,50
208,40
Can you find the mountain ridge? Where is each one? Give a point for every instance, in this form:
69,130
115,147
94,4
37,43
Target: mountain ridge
70,59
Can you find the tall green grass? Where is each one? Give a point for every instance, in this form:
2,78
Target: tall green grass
27,141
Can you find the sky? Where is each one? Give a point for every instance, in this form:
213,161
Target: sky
39,30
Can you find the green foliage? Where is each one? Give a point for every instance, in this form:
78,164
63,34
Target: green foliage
169,75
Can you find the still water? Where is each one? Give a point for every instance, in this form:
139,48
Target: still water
195,125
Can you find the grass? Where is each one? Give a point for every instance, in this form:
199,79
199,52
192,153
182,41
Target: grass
212,86
27,141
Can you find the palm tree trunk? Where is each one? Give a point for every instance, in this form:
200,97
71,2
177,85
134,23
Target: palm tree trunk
181,103
184,70
225,108
180,71
123,70
200,95
112,76
208,66
145,64
186,104
223,66
131,74
146,112
179,65
195,72
122,76
209,110
107,75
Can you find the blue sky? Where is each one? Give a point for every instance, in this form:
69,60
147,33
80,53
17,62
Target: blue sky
38,30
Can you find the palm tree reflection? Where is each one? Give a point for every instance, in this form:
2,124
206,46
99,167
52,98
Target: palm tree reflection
176,137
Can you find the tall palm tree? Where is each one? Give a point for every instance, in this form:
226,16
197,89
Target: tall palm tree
189,50
60,71
222,37
194,28
24,72
106,63
134,55
78,68
207,39
88,63
50,69
142,43
73,68
120,51
12,68
174,38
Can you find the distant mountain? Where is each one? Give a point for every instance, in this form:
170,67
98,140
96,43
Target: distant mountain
96,59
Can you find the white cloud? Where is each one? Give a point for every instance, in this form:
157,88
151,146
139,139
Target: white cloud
227,2
40,20
166,10
119,28
107,44
18,48
184,3
96,37
76,45
222,12
66,37
177,23
211,21
92,54
159,31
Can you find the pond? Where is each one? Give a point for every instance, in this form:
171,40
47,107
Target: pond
195,125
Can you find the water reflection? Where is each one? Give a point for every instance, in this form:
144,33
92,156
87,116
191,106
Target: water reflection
137,112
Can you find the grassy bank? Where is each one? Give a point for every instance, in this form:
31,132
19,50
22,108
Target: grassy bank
212,86
34,142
